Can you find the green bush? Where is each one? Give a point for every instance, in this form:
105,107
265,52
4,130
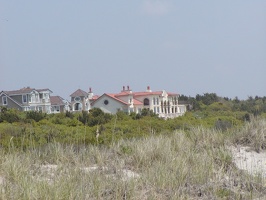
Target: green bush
35,115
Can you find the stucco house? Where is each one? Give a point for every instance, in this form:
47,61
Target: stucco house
81,100
163,103
26,99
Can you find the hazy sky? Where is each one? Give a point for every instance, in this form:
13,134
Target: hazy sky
187,47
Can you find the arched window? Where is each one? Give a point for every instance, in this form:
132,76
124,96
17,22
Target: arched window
146,102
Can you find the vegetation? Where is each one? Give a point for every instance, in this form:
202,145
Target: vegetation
194,164
136,156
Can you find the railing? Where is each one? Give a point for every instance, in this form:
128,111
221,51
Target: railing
170,115
40,101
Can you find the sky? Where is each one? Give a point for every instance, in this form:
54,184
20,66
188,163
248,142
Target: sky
182,46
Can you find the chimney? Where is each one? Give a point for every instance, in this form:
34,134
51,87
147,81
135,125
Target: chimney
123,88
148,89
127,87
90,94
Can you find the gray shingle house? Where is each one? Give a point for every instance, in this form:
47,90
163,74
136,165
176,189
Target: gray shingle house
26,99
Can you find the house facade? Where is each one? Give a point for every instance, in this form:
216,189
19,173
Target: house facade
163,103
81,100
59,105
26,99
31,99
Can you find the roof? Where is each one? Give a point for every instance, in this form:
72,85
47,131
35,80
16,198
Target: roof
124,93
172,94
95,97
114,97
137,102
56,100
147,93
79,93
111,96
25,90
4,93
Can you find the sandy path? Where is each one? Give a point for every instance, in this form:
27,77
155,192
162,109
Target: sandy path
251,161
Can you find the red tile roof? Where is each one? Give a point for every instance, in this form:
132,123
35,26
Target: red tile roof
114,97
95,97
147,93
137,102
172,94
124,93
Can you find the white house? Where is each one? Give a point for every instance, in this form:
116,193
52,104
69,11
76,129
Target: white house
163,103
81,100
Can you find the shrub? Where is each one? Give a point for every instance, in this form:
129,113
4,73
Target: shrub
35,115
9,115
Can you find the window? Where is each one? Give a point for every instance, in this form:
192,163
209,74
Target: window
55,109
24,98
154,110
77,98
146,102
106,102
4,100
39,108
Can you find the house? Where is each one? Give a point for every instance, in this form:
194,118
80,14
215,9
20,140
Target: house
81,100
59,105
26,99
163,103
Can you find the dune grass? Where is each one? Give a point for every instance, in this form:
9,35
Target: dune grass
195,164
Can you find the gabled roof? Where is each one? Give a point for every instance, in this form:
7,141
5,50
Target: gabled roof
111,96
79,93
117,99
3,92
56,100
42,90
25,90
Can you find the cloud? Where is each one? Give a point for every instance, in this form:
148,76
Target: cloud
155,7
